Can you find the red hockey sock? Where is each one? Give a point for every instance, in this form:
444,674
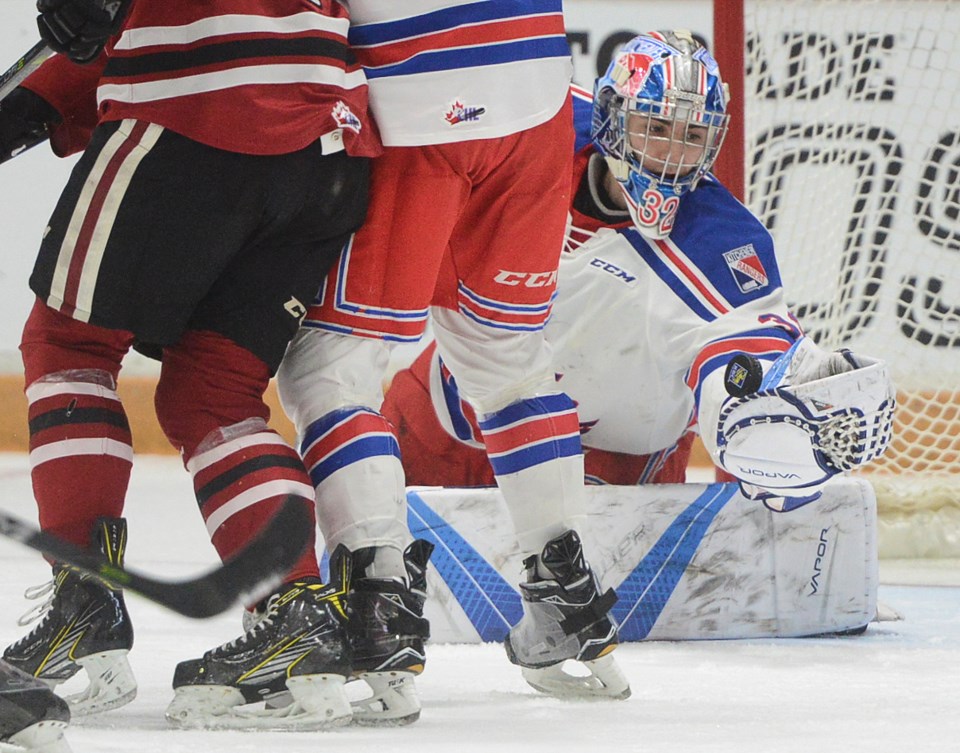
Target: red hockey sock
80,445
210,404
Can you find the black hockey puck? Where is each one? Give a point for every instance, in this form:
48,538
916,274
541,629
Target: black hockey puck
743,375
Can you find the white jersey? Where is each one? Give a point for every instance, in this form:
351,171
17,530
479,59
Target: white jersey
442,71
639,325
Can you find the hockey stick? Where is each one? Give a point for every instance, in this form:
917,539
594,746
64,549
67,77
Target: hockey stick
247,576
14,76
27,64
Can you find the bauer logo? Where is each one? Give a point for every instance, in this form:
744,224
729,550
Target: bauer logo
461,113
746,268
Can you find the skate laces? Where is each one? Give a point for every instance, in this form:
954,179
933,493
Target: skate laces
263,621
38,611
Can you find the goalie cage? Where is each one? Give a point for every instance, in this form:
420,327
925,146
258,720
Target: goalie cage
845,141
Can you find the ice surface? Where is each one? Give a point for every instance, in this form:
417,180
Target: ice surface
894,689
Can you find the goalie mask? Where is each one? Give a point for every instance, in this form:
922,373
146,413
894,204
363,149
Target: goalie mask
659,118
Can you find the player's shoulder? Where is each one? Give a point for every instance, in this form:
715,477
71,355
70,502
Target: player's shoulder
710,218
716,239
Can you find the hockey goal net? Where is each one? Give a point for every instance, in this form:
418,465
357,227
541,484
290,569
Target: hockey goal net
849,151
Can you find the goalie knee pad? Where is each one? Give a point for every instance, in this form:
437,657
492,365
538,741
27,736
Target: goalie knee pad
815,415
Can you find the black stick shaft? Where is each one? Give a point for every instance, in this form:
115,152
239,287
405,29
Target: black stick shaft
27,64
248,575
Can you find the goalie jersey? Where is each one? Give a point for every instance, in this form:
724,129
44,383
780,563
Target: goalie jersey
640,326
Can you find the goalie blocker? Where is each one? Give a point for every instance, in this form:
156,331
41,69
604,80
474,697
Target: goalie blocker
687,562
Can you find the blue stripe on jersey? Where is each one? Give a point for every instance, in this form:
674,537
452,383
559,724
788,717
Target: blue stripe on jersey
645,591
476,57
538,406
357,332
451,398
582,117
666,274
350,451
495,305
722,358
528,457
355,451
363,35
774,332
500,325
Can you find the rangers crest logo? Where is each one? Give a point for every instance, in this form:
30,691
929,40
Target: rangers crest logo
460,113
746,268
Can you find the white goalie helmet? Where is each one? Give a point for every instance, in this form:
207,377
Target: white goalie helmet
816,414
659,119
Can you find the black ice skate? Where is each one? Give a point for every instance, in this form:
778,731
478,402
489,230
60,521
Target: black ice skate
566,617
84,624
32,717
387,631
294,660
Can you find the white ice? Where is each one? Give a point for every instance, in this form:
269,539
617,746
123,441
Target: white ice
896,688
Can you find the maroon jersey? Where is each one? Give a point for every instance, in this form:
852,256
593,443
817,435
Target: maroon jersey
248,76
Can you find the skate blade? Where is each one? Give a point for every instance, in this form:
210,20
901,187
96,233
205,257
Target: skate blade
604,681
317,702
42,737
391,700
112,684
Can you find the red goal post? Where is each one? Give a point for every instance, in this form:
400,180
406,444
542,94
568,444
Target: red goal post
845,141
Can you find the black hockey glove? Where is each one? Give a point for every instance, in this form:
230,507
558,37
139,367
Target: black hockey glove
25,120
80,28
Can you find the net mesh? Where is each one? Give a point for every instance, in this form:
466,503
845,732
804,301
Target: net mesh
852,118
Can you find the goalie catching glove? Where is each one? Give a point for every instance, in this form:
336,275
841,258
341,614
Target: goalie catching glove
815,414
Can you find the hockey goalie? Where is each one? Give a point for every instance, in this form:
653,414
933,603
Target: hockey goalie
670,319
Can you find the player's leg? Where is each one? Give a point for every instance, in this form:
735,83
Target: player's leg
81,450
146,226
330,384
81,455
431,456
210,404
489,330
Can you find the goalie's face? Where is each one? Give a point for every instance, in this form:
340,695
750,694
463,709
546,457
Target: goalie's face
667,149
659,118
658,152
